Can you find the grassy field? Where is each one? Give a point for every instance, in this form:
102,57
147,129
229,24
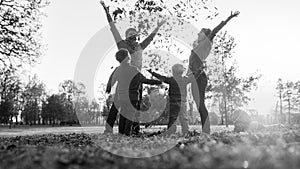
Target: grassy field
38,130
72,147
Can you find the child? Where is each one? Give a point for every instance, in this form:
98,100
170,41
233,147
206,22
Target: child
129,81
177,95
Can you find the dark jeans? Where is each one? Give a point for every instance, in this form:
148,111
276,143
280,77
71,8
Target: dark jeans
178,109
173,114
136,124
112,116
127,117
198,91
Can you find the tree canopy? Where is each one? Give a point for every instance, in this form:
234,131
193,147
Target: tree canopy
20,27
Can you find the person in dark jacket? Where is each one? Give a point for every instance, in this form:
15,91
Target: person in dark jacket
177,96
135,49
129,79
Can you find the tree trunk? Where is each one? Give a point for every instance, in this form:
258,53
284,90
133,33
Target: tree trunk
39,120
221,112
225,109
289,111
226,114
280,99
16,117
10,121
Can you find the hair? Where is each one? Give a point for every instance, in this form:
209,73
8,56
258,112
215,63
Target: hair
122,54
128,30
206,31
176,69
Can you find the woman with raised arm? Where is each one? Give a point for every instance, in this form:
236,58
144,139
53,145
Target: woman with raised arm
135,49
201,49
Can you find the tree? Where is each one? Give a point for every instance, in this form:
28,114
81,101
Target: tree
32,97
296,95
225,88
105,100
53,109
279,89
287,97
73,95
31,112
89,111
6,110
95,111
10,88
82,110
20,27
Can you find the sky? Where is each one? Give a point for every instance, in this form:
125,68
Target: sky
266,33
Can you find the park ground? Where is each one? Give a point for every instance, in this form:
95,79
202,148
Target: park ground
38,130
86,147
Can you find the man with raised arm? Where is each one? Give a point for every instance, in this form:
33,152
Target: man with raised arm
135,49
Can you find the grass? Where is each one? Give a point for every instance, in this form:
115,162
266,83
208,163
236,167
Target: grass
38,130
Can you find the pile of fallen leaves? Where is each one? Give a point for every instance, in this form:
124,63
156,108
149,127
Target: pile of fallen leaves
275,147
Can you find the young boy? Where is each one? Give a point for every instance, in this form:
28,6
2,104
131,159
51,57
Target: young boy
129,81
177,95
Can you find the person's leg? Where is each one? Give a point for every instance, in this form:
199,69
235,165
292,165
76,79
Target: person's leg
183,118
136,123
124,108
128,127
122,121
173,114
127,111
129,122
198,91
110,121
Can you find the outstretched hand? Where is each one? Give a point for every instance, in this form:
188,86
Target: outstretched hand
150,71
102,3
235,14
104,6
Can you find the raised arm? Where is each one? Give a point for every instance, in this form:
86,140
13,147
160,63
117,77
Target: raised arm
149,39
113,27
221,25
144,80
